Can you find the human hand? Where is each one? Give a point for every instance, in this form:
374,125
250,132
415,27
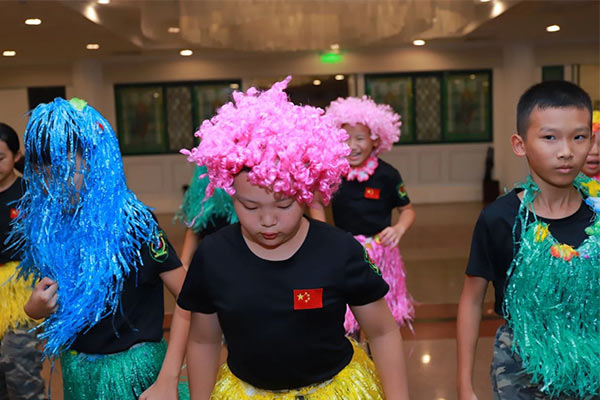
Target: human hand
467,395
43,299
162,389
390,236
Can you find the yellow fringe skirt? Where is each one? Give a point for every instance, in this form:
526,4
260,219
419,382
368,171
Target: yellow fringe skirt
357,381
14,293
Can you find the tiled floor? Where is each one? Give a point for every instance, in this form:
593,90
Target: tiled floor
435,253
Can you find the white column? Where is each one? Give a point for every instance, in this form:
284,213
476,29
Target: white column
517,74
88,83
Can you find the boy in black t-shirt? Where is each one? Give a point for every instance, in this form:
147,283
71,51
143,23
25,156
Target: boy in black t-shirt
277,284
103,259
539,246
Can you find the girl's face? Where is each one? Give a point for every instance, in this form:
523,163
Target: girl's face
592,162
360,143
68,191
267,219
7,163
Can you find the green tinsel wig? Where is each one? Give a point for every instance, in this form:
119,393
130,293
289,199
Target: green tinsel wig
199,213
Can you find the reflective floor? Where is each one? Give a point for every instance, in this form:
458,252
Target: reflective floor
435,252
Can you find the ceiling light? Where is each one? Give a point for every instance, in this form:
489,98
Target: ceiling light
92,46
103,1
426,359
419,42
553,28
339,77
186,53
499,8
174,29
334,46
484,1
234,86
316,82
33,21
9,53
91,14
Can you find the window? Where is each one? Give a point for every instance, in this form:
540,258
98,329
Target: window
162,117
438,107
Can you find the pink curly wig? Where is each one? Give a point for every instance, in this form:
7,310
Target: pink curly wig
289,149
381,119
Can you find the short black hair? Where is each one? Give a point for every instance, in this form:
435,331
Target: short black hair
550,94
8,135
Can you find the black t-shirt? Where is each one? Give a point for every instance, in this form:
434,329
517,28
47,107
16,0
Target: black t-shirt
213,226
141,313
492,245
283,320
365,208
8,212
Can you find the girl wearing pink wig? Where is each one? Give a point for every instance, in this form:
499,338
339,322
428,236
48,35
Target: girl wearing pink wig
277,284
369,193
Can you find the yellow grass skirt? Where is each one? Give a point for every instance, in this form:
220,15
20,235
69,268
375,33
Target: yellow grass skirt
357,381
14,293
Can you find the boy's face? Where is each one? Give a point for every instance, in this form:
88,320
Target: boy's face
556,145
267,219
592,162
360,143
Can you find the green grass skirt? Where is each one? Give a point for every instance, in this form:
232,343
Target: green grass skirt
118,376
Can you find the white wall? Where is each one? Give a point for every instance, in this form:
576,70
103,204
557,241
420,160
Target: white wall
434,173
589,78
13,109
158,180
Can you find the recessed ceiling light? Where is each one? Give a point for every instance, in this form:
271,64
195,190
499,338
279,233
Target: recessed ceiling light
103,1
553,28
419,42
33,21
426,359
316,82
9,53
174,29
186,53
92,46
339,77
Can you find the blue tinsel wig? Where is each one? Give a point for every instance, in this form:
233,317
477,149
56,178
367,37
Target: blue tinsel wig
78,222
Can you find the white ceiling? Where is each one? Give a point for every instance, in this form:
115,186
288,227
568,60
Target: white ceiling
125,28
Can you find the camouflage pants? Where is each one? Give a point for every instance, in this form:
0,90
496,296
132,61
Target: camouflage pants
509,380
20,366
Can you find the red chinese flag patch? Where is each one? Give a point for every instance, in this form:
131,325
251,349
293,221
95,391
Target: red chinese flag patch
14,213
306,299
372,193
